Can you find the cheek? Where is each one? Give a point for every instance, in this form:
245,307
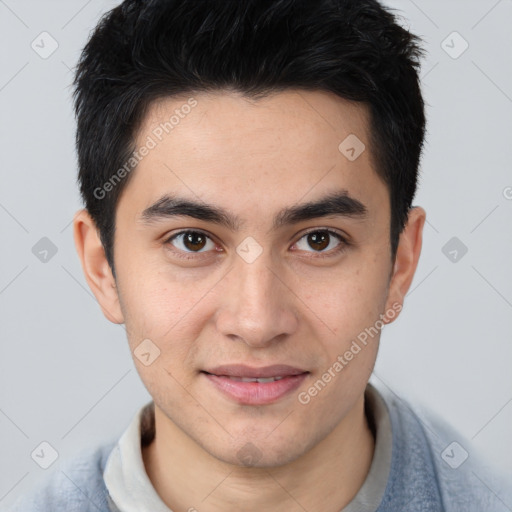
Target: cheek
155,301
160,322
171,314
348,298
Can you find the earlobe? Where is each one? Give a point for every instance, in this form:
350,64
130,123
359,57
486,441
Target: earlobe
406,261
95,266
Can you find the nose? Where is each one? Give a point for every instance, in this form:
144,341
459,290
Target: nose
259,308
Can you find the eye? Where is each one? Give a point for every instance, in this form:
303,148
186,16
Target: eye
321,240
190,242
185,244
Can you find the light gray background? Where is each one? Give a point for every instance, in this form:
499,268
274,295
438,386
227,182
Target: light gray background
66,374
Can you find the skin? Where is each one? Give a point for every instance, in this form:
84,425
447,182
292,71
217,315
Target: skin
288,306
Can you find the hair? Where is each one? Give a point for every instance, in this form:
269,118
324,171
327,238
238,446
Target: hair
145,50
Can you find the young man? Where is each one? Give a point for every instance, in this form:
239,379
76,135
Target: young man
248,170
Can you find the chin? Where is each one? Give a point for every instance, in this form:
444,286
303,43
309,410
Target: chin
258,453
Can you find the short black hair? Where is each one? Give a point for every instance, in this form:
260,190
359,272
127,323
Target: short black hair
144,50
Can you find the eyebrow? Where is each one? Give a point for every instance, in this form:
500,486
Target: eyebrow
337,204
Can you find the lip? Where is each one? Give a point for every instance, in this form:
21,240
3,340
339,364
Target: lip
255,393
240,370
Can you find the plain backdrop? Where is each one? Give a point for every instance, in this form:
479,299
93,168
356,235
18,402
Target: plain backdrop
66,374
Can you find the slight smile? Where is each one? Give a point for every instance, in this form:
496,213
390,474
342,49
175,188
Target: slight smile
255,386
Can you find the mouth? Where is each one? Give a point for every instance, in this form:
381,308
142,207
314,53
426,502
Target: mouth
255,386
261,380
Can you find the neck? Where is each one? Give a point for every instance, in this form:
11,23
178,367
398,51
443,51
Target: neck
326,478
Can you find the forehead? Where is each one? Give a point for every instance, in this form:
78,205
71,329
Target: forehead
309,121
292,144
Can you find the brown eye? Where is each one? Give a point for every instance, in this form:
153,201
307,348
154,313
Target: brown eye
322,241
190,242
194,241
319,240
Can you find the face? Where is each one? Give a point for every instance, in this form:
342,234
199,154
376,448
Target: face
254,291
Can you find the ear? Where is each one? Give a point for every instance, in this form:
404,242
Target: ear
406,260
95,266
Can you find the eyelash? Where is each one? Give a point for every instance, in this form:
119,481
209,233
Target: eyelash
333,252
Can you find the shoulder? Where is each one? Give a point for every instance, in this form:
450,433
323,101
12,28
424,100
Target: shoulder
75,485
464,479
